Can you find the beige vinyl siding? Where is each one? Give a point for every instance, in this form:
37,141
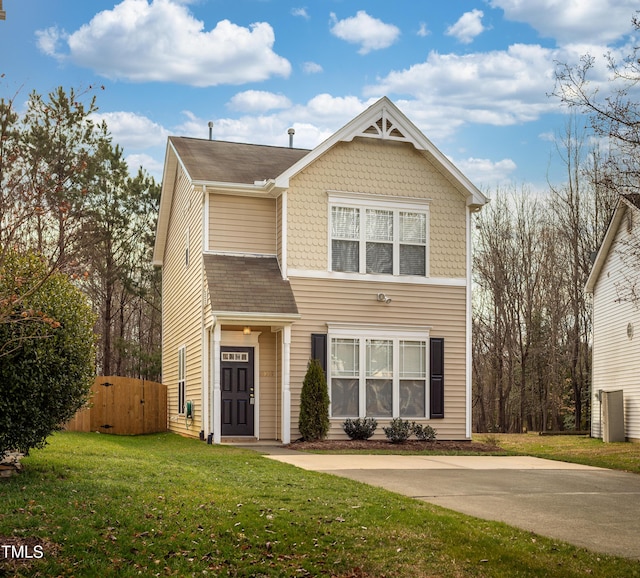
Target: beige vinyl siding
381,168
182,304
616,358
269,392
354,302
242,224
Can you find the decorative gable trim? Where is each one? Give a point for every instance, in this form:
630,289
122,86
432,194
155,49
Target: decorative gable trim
385,127
383,120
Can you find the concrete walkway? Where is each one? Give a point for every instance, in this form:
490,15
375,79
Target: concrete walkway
594,508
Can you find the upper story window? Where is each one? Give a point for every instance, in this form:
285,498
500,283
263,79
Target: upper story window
387,238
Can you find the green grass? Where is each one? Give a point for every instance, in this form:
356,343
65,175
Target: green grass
623,456
162,505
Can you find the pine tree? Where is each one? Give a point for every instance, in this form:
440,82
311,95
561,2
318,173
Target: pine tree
314,404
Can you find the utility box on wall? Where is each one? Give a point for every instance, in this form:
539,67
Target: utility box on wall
613,416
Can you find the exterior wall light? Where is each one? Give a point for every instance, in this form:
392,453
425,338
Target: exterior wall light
382,297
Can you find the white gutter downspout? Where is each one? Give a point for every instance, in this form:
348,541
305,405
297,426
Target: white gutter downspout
286,384
285,233
206,361
469,324
217,396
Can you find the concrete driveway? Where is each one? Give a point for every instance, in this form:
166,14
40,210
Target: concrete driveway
590,507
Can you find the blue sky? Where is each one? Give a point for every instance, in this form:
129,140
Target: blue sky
473,75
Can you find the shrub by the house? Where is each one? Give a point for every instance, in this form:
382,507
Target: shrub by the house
314,404
361,428
398,431
425,433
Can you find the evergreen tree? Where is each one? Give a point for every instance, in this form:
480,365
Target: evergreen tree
314,404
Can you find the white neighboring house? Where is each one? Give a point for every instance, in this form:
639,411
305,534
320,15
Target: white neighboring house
614,283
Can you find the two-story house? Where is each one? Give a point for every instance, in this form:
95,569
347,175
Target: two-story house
357,253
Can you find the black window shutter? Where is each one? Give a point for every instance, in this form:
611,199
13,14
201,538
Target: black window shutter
436,358
319,349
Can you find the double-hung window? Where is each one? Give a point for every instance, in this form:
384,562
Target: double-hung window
381,376
379,237
181,379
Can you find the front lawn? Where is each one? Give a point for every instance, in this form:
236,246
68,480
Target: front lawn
162,505
569,448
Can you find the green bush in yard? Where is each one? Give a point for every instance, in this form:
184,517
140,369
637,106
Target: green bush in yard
398,431
314,404
425,433
361,428
46,351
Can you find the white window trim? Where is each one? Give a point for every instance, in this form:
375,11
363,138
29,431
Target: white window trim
364,201
394,333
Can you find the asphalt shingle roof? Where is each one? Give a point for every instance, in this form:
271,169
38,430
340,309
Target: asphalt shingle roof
248,284
230,162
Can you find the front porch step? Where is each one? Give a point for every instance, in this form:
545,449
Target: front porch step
239,440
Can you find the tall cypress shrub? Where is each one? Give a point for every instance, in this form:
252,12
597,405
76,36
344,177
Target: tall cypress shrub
314,404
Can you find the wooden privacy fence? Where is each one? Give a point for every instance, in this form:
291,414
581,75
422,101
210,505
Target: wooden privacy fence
122,405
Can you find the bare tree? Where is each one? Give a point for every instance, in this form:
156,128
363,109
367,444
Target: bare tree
613,111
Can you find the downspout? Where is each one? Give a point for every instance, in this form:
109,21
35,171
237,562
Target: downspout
217,395
469,323
204,409
284,199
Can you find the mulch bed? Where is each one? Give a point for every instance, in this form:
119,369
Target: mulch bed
408,446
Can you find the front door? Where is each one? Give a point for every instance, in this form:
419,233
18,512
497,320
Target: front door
236,384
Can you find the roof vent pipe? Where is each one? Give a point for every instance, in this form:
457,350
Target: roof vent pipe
291,132
210,130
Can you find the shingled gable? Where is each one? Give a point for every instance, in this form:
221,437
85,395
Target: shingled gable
248,285
384,120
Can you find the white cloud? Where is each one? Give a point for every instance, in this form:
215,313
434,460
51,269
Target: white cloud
147,162
467,27
498,87
132,130
485,172
423,30
49,40
258,101
162,41
311,68
370,33
302,12
570,21
332,109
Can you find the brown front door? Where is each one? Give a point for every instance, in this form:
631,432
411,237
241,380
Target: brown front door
236,383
